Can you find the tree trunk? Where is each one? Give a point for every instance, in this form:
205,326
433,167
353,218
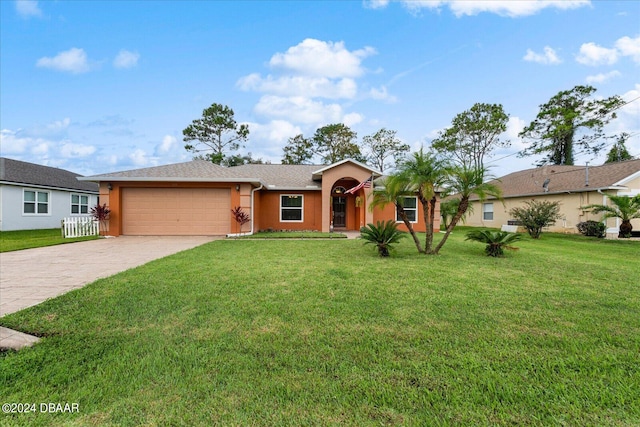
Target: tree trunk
406,221
625,229
462,208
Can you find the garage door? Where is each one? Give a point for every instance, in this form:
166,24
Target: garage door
175,211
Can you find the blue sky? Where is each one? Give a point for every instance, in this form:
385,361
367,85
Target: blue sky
101,86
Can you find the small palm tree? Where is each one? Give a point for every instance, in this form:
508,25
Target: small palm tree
383,235
624,207
497,241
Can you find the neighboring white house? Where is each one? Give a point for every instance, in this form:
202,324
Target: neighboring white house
35,197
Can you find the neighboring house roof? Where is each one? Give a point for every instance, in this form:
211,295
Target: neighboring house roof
297,177
17,172
567,179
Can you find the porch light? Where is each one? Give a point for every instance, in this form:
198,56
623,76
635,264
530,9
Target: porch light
109,186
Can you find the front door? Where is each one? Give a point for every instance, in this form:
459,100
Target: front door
339,211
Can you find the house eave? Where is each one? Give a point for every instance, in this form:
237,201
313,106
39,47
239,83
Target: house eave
104,178
48,187
552,193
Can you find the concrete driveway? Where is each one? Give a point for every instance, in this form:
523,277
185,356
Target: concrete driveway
31,276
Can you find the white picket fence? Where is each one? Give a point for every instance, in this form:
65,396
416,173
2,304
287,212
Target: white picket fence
80,227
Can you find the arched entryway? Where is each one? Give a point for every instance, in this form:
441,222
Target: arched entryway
347,209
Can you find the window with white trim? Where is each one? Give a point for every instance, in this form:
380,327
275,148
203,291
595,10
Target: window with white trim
291,207
79,204
410,206
35,202
487,211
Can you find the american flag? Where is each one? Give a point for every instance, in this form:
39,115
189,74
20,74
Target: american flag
363,184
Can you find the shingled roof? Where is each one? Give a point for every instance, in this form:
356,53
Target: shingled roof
18,172
296,177
563,179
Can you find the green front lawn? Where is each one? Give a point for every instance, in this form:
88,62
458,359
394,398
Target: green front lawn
27,239
324,332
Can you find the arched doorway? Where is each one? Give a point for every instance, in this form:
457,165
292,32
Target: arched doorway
339,204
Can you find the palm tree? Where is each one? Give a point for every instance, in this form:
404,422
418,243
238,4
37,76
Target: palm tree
383,235
497,241
394,191
624,207
466,181
423,173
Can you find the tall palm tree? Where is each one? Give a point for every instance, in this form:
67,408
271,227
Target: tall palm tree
466,181
624,207
423,173
393,191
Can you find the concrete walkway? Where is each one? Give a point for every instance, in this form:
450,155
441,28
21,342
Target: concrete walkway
31,276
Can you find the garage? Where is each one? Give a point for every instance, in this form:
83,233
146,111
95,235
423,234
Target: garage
175,211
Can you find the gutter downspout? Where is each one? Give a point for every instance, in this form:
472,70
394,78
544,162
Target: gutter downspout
252,213
604,202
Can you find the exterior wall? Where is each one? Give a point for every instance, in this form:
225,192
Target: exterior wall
389,212
268,211
11,207
113,198
570,211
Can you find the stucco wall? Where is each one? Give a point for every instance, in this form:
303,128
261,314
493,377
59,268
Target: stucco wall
11,208
268,216
570,211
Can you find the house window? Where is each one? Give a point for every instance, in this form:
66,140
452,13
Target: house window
410,205
291,208
35,202
79,204
487,211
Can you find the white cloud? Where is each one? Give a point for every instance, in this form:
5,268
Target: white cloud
168,142
59,125
375,4
629,47
314,87
592,54
352,119
70,149
299,109
126,59
382,94
28,8
314,57
510,9
73,60
11,142
602,77
140,158
548,57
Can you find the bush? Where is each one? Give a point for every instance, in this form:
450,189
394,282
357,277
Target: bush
592,228
384,235
537,215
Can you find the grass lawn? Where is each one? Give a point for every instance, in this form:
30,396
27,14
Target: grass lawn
294,235
324,332
26,239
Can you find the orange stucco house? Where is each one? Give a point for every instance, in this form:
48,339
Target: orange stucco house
196,198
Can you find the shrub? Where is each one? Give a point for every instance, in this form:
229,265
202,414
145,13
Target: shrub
497,241
592,228
383,235
537,215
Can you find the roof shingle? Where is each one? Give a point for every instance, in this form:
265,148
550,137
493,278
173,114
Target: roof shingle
19,172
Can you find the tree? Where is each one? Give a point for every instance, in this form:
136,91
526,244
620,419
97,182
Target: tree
384,235
335,142
449,208
474,134
395,189
624,207
465,182
619,152
383,145
215,133
238,160
537,215
496,241
422,174
569,119
298,151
